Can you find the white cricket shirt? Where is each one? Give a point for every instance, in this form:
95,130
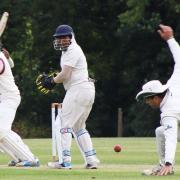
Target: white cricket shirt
7,83
171,102
75,58
170,106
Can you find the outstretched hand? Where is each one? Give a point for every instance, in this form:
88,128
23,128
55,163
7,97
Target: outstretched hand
166,32
166,170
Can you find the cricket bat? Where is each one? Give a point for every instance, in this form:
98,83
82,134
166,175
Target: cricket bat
3,22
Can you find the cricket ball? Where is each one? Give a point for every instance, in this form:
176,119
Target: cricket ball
117,148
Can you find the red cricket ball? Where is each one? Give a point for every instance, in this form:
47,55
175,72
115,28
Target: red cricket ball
117,148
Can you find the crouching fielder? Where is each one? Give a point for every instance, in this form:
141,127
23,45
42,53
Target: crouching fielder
167,98
79,98
10,142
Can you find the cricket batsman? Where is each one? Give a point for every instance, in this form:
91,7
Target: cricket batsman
10,142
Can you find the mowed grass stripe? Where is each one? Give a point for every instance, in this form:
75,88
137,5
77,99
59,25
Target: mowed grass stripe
137,154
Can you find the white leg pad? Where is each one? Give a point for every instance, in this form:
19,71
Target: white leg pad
82,153
66,134
7,151
85,143
14,146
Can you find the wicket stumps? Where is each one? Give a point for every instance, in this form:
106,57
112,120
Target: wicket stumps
55,110
56,136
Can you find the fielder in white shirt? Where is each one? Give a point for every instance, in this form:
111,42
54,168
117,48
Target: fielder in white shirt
10,142
167,98
79,98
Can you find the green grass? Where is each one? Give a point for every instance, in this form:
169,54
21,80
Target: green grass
137,154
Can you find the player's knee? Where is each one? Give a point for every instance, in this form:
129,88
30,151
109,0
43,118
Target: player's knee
79,126
159,131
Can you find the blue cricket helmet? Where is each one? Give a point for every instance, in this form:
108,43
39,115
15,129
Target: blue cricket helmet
63,30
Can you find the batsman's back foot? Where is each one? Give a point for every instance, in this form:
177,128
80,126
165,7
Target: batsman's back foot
13,163
25,163
56,165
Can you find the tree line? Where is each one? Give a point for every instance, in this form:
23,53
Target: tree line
122,48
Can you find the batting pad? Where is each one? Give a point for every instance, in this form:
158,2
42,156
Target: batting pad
85,143
7,151
84,140
13,145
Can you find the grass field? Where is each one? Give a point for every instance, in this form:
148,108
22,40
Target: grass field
137,154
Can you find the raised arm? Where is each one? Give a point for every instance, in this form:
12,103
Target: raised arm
175,50
167,34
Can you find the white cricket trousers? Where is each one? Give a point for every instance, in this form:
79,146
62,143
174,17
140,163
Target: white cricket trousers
76,107
166,139
10,142
8,107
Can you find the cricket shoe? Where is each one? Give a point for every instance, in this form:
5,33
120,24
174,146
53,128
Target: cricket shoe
28,163
152,172
13,163
93,165
56,165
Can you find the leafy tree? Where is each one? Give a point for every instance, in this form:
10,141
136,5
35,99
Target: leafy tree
123,51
